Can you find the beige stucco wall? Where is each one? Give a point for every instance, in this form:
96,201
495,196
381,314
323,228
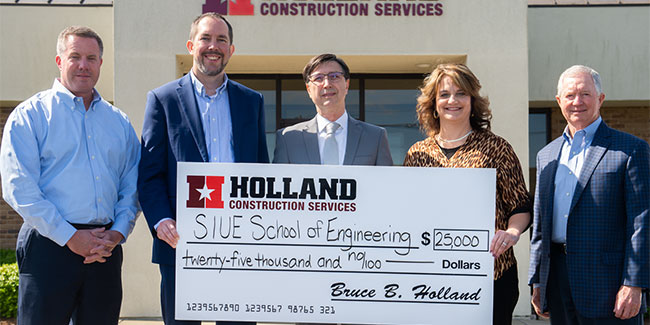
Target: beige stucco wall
613,40
143,37
28,47
491,33
496,48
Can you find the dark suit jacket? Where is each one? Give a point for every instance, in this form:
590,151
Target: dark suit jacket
366,144
173,132
608,231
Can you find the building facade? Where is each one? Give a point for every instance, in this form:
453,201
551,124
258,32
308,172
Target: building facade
516,48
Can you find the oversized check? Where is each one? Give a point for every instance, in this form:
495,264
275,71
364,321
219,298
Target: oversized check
334,244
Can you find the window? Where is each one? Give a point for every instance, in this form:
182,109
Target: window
539,134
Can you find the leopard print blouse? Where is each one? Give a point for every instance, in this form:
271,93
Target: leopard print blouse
483,149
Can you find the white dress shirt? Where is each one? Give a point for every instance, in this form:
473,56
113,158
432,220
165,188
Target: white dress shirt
341,134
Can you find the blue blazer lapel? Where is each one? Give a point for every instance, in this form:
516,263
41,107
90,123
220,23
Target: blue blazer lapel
596,152
354,136
190,111
310,136
547,177
238,132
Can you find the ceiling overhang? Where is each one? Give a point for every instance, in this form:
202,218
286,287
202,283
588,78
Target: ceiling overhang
293,64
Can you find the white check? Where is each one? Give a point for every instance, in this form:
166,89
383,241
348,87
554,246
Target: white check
334,244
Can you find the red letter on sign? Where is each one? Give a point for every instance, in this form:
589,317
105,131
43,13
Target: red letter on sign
195,183
215,183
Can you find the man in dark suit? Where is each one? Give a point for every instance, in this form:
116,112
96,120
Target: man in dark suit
201,117
332,136
590,249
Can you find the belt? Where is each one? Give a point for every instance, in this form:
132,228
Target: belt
558,248
81,226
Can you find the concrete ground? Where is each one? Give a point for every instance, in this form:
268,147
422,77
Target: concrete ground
528,321
148,321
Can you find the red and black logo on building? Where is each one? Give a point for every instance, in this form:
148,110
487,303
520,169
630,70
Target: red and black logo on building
229,7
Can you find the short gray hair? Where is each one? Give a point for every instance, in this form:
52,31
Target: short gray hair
572,71
80,31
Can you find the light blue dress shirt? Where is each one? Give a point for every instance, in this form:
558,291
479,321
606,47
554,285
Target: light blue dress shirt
217,123
572,157
61,164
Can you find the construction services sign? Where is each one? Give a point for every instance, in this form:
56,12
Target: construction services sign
354,8
334,244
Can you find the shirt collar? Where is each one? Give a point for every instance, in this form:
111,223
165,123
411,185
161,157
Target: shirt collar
200,89
322,122
64,93
590,131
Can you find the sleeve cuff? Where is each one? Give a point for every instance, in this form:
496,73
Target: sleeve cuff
155,227
62,233
123,225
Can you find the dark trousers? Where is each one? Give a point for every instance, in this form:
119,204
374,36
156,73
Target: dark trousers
168,296
560,302
506,293
55,286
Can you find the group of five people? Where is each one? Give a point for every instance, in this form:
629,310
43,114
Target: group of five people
73,168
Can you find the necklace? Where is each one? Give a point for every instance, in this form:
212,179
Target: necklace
454,140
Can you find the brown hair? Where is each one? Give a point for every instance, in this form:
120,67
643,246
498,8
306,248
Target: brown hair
320,59
463,77
81,31
212,15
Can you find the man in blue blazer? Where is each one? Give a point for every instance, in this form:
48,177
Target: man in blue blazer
201,117
590,249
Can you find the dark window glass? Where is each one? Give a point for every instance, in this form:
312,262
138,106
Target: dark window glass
352,99
296,104
390,103
537,136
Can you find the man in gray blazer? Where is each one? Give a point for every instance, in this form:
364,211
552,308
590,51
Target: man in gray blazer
332,137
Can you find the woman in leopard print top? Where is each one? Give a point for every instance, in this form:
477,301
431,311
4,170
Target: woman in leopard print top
457,120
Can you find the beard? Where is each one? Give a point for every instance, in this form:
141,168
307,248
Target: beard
210,71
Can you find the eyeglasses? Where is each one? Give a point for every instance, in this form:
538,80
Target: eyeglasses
319,79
